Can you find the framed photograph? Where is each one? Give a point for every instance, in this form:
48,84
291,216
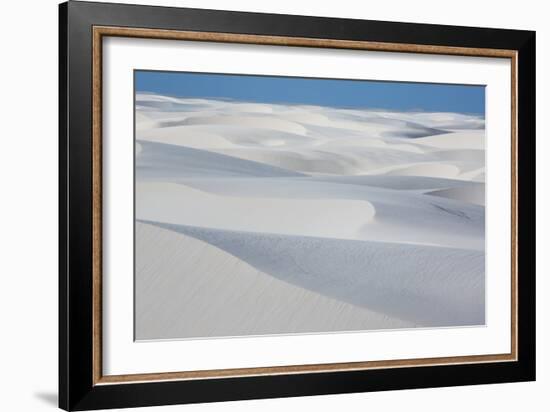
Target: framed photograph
256,205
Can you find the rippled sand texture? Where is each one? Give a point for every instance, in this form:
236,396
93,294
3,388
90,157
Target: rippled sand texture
256,219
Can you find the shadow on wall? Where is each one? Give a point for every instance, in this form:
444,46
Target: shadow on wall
49,398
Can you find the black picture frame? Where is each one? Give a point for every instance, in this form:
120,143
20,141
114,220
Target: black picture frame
77,389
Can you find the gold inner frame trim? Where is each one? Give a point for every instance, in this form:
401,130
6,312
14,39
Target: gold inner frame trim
101,31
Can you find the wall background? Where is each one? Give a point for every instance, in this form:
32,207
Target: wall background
28,203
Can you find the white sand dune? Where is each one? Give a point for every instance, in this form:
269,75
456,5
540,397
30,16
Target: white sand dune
473,194
377,157
190,288
442,120
426,169
401,183
162,161
259,218
223,137
261,122
313,208
470,139
475,175
173,203
315,160
427,286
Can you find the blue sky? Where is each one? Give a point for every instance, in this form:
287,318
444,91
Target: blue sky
323,92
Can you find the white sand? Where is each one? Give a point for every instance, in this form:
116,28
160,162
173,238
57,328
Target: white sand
264,219
189,288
